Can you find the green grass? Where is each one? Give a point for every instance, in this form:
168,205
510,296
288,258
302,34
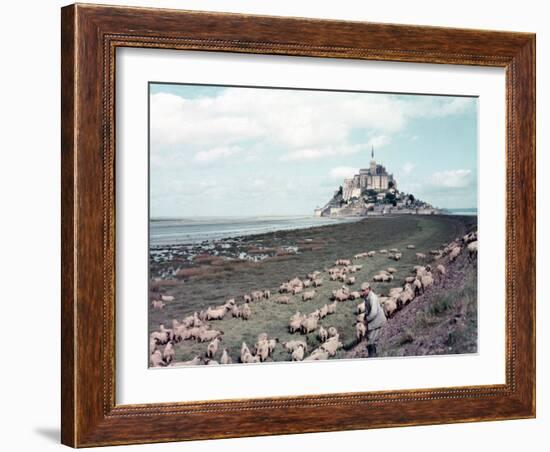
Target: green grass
341,241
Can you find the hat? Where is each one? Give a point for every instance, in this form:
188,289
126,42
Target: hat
365,286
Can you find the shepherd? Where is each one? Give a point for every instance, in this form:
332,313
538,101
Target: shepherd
375,318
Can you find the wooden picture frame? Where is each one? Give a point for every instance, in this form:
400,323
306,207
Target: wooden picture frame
90,36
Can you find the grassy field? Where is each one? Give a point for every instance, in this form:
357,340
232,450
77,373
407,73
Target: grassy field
331,243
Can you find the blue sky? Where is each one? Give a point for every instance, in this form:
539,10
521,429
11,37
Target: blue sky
230,151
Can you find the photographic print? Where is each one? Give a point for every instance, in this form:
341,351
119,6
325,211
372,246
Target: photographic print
290,225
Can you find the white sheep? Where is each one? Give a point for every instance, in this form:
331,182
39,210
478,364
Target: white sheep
411,247
283,299
454,253
332,345
360,331
472,250
212,348
317,354
246,312
293,345
322,334
158,304
298,353
225,359
350,281
332,331
167,298
308,295
331,308
309,324
168,354
155,360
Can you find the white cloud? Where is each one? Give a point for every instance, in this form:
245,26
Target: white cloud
459,178
305,124
342,172
408,167
216,153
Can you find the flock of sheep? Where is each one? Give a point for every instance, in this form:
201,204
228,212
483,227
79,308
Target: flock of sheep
199,326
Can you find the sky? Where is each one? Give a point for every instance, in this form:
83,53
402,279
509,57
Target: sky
245,151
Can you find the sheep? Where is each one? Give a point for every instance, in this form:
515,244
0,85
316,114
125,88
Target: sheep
152,345
354,295
181,333
235,311
397,256
454,253
360,255
295,322
246,312
391,270
306,283
212,362
257,295
297,289
472,250
383,277
389,305
332,331
215,314
411,247
360,308
331,308
262,350
371,253
155,360
212,348
417,286
308,295
159,337
225,359
271,344
167,298
283,299
420,256
323,311
189,321
192,362
158,304
332,345
309,324
247,358
298,353
426,280
247,298
267,294
395,291
383,251
169,332
317,354
360,331
293,345
350,281
168,354
434,252
244,351
312,276
394,250
322,334
341,295
441,270
406,296
410,279
284,288
342,262
208,335
317,282
360,317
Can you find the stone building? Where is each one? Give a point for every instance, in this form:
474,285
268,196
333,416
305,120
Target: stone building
375,177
